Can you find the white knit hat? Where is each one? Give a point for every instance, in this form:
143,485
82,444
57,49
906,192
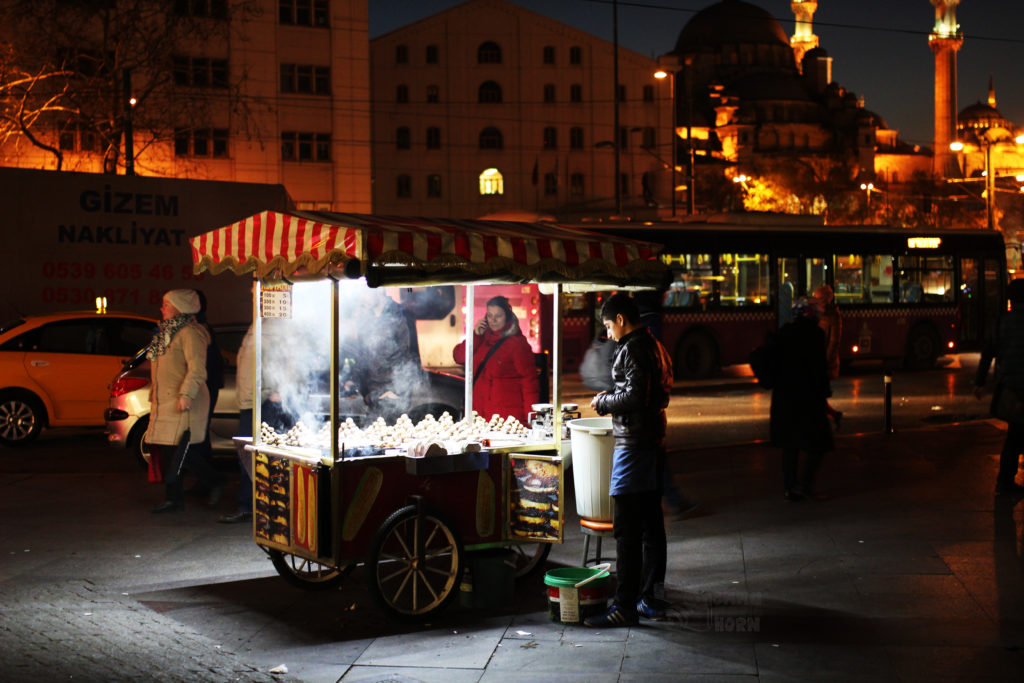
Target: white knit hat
185,300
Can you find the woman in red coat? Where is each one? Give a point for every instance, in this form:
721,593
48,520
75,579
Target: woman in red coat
507,382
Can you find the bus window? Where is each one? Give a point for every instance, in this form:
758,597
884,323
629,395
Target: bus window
850,275
878,278
926,279
692,281
744,279
815,275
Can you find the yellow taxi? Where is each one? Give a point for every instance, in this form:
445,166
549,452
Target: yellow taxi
55,369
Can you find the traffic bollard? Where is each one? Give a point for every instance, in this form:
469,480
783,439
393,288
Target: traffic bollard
887,382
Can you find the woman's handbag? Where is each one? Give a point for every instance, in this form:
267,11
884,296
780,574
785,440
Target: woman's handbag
156,465
1006,404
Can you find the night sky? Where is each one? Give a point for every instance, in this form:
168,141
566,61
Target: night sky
879,47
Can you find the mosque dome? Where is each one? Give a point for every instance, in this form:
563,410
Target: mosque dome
730,22
980,116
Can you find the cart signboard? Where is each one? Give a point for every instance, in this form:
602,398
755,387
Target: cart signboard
535,499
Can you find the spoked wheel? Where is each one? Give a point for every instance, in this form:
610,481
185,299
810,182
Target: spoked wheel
529,557
308,574
415,563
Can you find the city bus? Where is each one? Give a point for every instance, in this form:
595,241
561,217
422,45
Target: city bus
904,294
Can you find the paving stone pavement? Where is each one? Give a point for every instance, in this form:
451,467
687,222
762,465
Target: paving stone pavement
910,570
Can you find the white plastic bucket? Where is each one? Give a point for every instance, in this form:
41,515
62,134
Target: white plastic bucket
592,447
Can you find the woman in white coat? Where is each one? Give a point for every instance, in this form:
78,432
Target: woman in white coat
178,395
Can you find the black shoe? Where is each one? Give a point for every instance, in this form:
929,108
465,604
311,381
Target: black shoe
793,496
216,493
1011,489
235,517
652,610
168,506
614,617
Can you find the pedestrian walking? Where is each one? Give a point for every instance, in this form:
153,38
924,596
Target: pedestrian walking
244,386
798,420
1007,349
642,376
831,322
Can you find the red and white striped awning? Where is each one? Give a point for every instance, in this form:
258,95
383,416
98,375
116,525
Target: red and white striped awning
397,250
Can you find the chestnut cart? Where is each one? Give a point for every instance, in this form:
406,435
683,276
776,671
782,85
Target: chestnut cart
335,485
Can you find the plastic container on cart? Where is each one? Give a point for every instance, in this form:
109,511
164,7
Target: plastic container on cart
592,447
575,593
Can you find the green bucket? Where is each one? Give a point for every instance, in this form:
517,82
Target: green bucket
575,593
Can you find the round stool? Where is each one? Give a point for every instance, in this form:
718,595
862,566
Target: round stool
598,530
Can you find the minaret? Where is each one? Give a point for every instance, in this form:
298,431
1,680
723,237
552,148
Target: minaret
945,41
991,92
803,29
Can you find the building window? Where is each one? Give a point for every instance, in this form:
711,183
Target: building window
200,72
648,138
489,92
433,185
305,146
401,54
549,93
76,138
218,9
622,93
433,93
623,138
550,138
575,55
624,184
403,140
491,182
575,92
433,138
402,93
490,138
549,54
403,187
488,53
550,184
648,93
576,184
303,12
201,142
576,138
305,79
431,54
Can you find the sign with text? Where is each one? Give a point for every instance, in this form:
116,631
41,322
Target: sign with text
276,301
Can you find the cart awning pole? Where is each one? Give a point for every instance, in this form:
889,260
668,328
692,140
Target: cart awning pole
556,366
468,400
335,358
257,356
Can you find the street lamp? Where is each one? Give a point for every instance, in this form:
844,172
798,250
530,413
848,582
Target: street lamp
867,187
661,74
990,177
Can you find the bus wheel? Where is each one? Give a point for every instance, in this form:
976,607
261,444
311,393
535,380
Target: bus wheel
922,348
696,357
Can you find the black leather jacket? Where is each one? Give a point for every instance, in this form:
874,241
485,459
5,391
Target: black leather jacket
642,373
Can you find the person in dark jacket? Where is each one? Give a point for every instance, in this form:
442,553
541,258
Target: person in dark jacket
387,361
642,375
799,421
1008,351
506,383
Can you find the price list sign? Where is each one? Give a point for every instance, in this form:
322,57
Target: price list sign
276,301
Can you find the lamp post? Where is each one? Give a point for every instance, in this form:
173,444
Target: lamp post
129,132
990,178
867,187
661,74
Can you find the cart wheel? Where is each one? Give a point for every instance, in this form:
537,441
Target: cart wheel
415,563
307,574
529,557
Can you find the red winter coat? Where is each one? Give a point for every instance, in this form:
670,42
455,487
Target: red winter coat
508,383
